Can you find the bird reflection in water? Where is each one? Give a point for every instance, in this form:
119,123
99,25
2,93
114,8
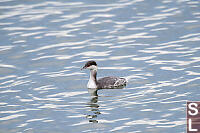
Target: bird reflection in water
93,105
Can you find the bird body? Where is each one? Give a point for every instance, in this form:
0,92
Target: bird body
111,82
102,83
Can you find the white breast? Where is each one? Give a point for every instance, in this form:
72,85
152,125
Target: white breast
91,84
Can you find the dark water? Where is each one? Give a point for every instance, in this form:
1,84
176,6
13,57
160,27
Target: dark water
155,44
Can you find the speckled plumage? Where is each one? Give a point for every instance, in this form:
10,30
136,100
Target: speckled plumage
111,82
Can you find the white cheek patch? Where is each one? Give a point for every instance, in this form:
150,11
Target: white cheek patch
92,67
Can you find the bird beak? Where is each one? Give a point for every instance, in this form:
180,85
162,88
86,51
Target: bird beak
83,68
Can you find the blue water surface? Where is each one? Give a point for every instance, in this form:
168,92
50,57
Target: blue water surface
154,44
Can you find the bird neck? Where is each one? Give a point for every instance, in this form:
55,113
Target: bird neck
93,75
92,83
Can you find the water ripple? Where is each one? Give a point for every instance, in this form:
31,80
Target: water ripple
154,45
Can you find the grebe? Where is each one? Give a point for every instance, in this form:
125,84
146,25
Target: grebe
106,82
